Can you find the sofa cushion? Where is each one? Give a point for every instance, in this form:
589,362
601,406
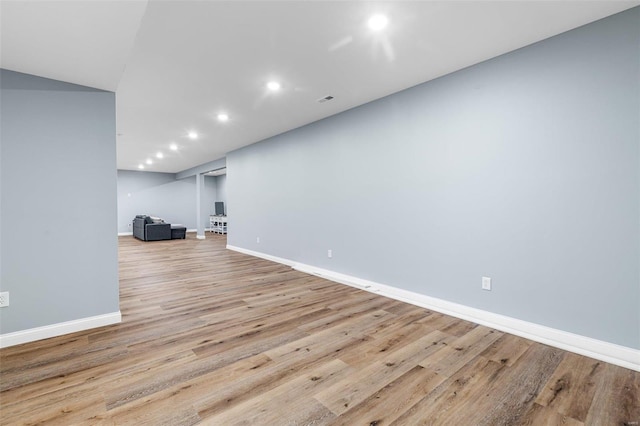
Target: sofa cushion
157,231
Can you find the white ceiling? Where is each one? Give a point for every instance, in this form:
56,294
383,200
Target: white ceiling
176,64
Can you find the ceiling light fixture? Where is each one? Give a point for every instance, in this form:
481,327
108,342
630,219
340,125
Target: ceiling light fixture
378,22
193,135
149,161
173,147
141,166
273,86
223,117
160,155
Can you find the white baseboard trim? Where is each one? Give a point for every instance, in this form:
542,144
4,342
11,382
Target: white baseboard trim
263,256
587,346
53,330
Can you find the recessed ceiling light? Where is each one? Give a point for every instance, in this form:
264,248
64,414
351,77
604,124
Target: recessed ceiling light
273,86
160,155
223,117
149,161
193,135
173,147
378,22
141,166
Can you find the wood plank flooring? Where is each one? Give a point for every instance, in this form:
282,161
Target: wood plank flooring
214,337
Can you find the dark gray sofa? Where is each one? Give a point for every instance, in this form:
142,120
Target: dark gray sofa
144,229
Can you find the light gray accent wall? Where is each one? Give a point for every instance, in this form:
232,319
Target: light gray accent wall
58,249
211,194
221,190
162,195
524,168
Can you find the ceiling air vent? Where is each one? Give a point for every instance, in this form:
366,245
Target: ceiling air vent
325,99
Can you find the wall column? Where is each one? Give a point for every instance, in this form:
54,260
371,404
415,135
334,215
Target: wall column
199,198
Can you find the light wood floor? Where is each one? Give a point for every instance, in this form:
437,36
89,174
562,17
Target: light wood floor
210,336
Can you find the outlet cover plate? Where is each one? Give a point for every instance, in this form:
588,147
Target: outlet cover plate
486,283
4,299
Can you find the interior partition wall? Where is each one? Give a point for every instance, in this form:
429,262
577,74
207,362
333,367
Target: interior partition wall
58,248
523,168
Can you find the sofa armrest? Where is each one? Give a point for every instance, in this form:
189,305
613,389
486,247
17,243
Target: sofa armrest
138,228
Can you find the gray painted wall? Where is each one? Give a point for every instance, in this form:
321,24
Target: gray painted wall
160,194
221,190
524,168
58,185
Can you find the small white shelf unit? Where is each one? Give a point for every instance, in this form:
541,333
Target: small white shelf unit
218,224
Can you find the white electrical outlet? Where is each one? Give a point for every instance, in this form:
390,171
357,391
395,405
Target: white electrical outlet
258,240
4,299
486,283
329,253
